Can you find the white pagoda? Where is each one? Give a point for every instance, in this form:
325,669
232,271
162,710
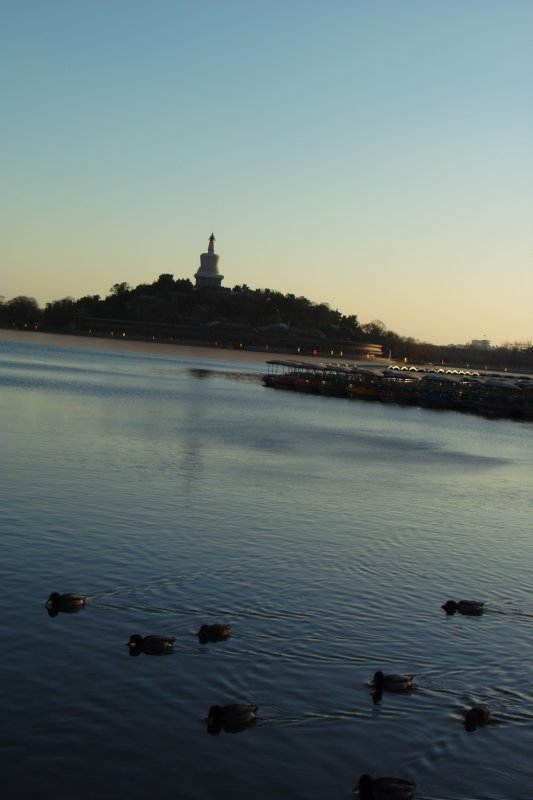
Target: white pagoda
207,275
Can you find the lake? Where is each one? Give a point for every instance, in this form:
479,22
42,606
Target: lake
173,489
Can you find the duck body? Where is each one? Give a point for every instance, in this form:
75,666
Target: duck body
216,632
477,716
68,603
234,716
392,683
369,788
151,645
471,608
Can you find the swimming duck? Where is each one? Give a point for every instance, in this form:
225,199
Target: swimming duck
370,788
216,632
69,603
470,607
150,645
476,717
233,715
392,683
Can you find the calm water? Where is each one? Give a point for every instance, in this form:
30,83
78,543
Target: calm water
174,490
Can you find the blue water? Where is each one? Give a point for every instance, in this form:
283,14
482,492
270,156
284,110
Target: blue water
175,490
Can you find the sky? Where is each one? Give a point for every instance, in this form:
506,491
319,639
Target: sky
374,155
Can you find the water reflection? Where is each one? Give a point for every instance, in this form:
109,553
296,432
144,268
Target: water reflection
369,788
224,374
377,696
215,730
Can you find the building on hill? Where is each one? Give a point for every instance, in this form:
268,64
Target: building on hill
207,276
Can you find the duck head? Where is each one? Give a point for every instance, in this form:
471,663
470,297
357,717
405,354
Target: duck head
450,606
364,787
135,644
379,679
214,716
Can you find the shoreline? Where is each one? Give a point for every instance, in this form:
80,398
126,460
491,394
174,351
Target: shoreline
170,348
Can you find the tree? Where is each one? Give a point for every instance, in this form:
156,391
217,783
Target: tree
374,331
165,282
23,310
120,289
59,313
184,285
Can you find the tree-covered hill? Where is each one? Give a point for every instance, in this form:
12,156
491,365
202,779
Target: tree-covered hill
170,308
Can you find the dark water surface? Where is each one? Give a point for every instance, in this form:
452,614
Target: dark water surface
173,491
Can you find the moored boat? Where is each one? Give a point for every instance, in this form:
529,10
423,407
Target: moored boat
401,388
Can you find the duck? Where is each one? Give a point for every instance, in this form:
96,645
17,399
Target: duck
69,602
150,645
235,715
470,607
392,683
216,632
477,716
369,788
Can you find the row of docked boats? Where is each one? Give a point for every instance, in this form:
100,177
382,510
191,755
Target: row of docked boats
492,394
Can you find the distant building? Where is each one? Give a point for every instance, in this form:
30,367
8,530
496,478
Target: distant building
207,275
481,344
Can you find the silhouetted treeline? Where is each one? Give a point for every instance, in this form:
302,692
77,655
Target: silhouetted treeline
512,356
174,309
170,306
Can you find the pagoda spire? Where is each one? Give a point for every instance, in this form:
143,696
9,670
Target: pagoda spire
211,248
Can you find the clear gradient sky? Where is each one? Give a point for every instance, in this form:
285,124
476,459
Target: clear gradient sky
376,155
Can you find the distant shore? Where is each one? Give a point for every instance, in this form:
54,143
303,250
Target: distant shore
166,349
